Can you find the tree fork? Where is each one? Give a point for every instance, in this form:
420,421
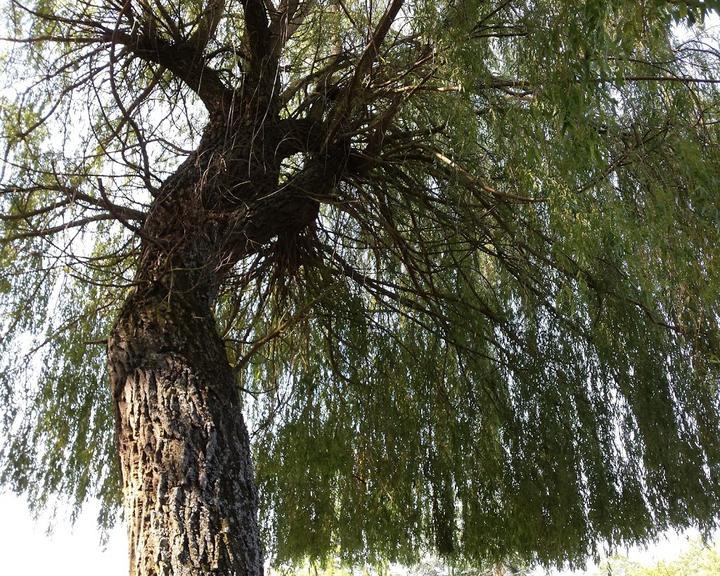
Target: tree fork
188,489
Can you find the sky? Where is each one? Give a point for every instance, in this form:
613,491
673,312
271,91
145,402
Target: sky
26,549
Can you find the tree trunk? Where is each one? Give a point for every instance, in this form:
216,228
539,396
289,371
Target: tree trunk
188,489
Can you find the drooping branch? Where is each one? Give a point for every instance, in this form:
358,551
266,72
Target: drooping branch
56,229
70,195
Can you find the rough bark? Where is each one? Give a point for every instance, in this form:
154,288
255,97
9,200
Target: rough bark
189,497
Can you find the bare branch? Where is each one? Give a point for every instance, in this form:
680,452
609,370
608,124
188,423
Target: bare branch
370,54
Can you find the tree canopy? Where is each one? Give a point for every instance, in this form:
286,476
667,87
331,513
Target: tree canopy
497,331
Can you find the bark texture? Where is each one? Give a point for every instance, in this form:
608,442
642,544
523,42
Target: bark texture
189,495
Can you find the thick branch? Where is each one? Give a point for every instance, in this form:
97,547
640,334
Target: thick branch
288,18
262,66
183,60
209,21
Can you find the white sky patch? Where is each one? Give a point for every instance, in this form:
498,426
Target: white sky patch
27,550
669,546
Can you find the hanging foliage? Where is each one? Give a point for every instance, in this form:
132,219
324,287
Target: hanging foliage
463,255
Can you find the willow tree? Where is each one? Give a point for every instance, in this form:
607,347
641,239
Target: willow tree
455,261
